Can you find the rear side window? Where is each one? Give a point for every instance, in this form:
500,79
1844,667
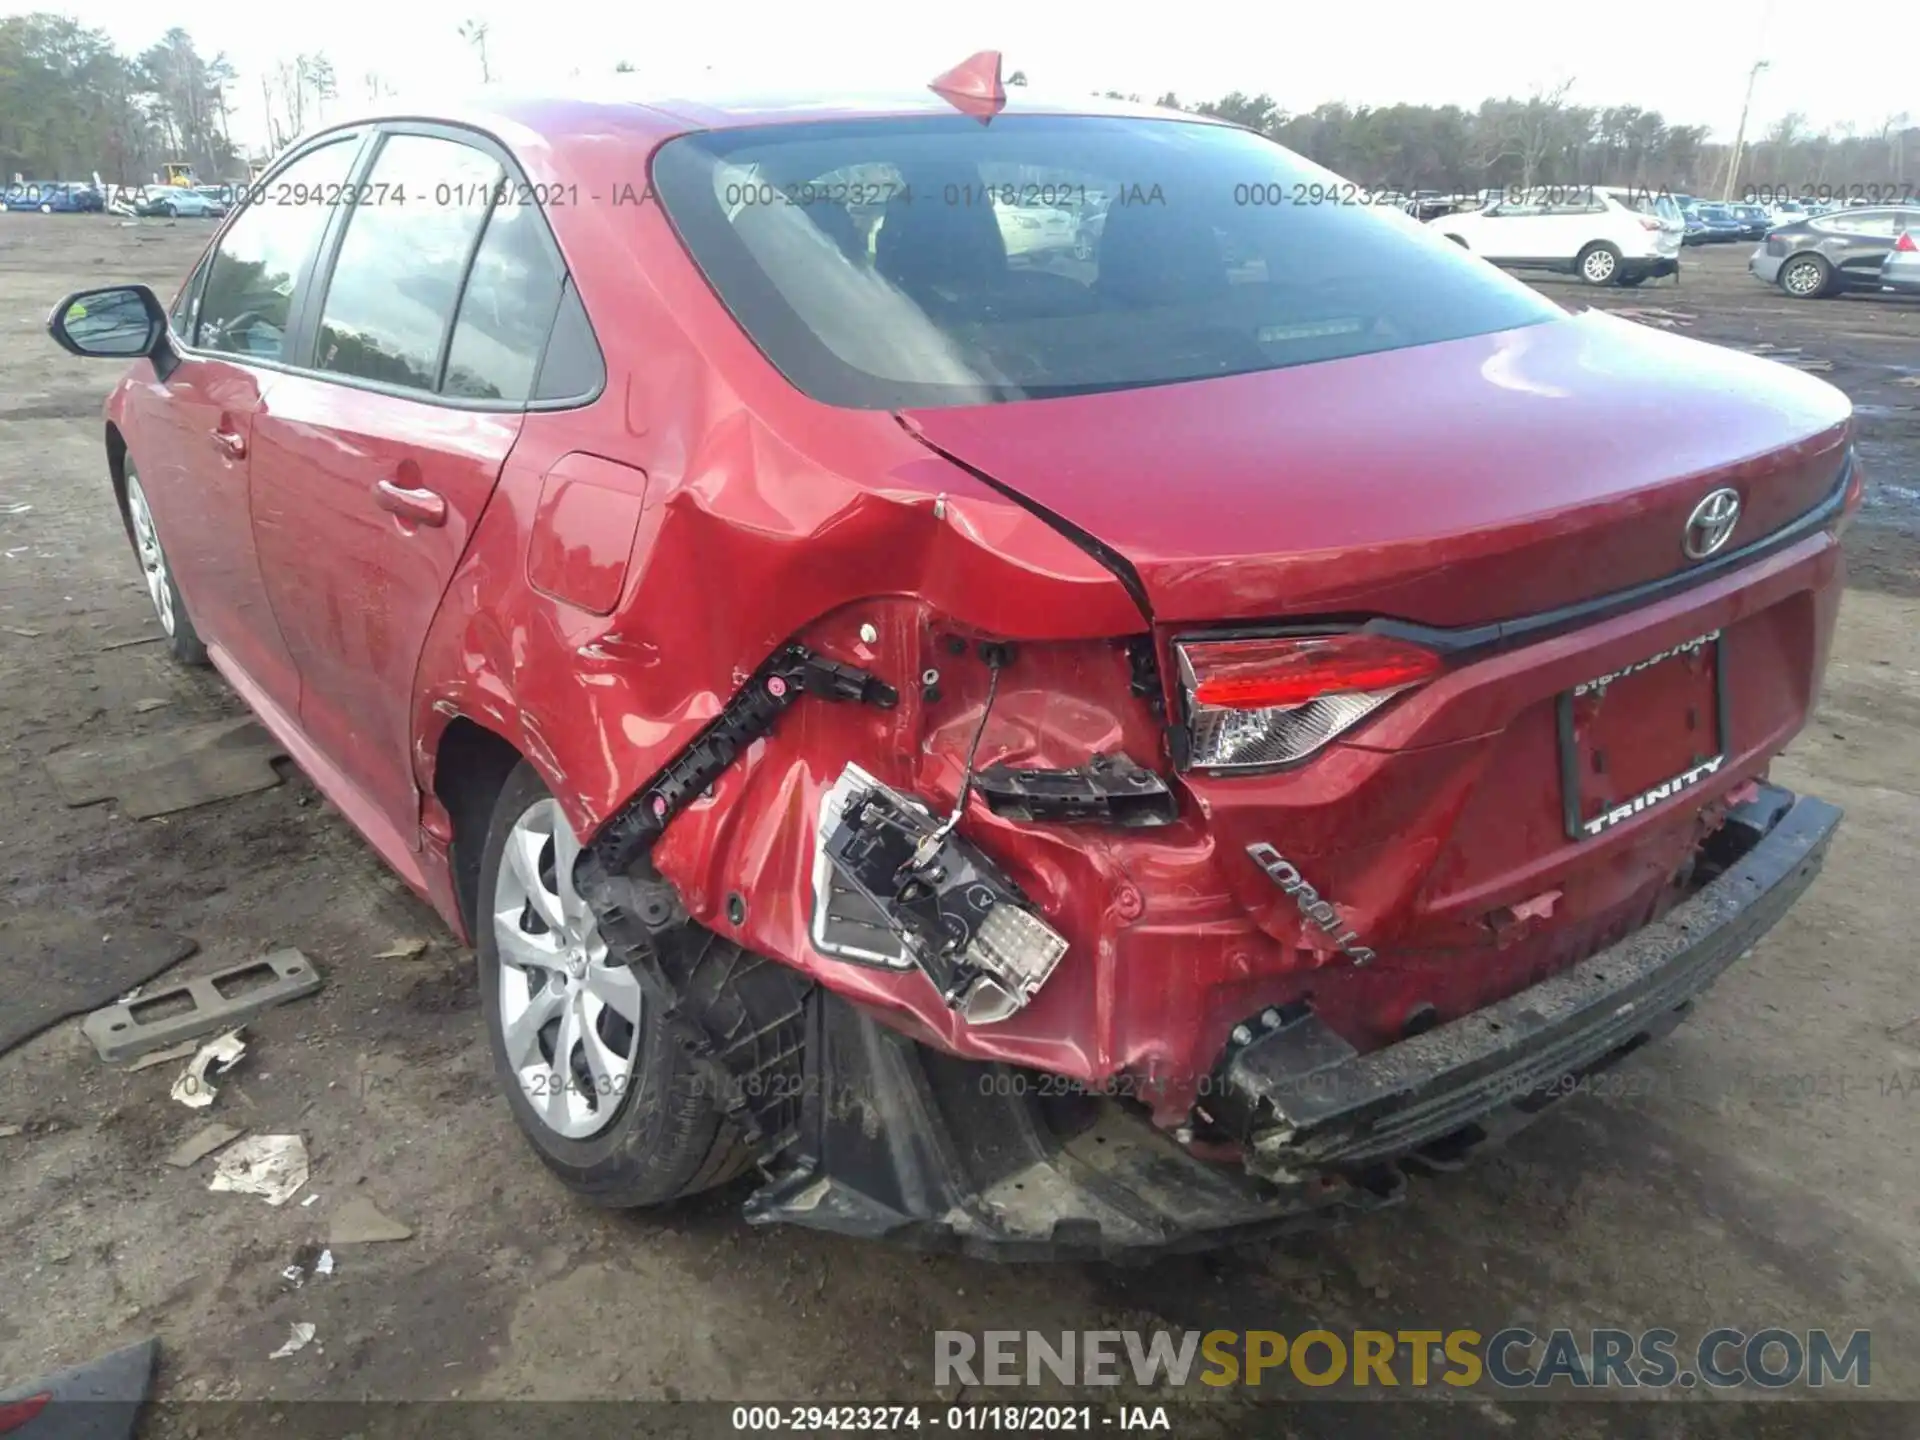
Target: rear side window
508,309
248,294
1858,222
390,303
933,261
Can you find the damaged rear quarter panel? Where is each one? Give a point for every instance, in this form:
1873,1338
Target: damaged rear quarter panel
762,511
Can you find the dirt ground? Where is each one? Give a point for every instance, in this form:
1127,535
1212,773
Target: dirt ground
1767,1175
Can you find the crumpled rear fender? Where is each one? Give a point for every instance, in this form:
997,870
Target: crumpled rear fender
718,559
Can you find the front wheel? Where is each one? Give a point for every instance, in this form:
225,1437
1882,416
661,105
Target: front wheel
183,641
594,1069
1806,277
1599,264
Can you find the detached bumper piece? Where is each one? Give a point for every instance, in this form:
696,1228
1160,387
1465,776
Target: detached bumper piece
900,1142
1304,1102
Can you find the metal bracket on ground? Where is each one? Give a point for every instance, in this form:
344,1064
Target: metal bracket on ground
219,1001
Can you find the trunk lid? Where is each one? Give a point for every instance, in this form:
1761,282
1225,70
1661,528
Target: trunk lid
1449,484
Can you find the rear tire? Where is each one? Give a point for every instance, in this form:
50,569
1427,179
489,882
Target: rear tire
1806,277
169,606
1598,264
630,1118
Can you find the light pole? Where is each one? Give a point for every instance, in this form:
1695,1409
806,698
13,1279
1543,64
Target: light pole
1740,135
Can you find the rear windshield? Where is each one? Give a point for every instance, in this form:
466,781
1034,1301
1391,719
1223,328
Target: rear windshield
883,264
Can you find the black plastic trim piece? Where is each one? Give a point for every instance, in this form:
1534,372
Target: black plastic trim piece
1503,633
1470,640
783,678
1108,790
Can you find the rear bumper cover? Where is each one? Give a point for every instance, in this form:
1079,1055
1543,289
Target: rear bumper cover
898,1141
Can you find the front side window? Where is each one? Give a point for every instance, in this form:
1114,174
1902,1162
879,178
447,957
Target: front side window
248,294
933,261
390,302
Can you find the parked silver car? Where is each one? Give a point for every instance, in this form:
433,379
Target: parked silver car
1901,269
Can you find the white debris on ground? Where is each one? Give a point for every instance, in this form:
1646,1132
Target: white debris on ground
193,1088
271,1166
299,1336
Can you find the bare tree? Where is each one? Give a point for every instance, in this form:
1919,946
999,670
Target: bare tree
474,32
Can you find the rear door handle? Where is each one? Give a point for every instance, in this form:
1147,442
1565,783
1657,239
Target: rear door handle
423,507
230,444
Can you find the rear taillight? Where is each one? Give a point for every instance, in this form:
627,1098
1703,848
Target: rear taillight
1905,243
16,1413
1256,703
1647,222
1856,492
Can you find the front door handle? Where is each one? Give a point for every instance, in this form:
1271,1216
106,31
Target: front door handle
423,507
230,444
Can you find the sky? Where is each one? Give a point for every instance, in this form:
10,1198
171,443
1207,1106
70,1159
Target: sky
1689,60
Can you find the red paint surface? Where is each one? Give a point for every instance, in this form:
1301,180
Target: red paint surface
727,513
583,531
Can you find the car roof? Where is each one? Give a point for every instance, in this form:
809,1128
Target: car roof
637,114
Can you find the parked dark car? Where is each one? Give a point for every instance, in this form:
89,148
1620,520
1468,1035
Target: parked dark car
1755,220
54,197
1722,226
1830,254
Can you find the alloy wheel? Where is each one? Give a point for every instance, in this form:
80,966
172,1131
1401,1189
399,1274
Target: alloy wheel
1598,267
569,1021
153,560
1803,277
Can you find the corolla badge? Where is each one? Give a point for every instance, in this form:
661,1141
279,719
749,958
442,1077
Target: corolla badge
1313,909
1711,524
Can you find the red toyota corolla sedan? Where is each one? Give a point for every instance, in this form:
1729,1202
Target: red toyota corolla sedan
1042,677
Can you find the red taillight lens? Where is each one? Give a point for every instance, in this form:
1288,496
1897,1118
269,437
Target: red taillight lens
1905,243
1856,492
16,1413
1260,703
1647,222
1260,674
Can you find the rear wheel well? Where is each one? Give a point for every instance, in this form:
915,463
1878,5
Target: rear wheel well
470,769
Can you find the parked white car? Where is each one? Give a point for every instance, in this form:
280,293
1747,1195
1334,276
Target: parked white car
1035,229
1606,235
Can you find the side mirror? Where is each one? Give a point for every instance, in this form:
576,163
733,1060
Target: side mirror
119,323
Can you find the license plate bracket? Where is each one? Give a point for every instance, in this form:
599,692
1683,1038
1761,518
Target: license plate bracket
1612,741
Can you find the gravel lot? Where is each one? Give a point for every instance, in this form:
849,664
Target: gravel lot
1765,1173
